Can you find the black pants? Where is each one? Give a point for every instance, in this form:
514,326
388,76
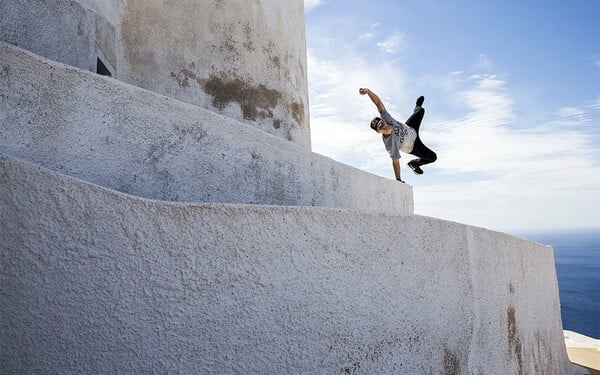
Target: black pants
423,153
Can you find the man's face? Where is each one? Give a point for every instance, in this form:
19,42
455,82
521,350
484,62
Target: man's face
383,127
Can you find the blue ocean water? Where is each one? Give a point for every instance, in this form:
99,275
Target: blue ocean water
577,258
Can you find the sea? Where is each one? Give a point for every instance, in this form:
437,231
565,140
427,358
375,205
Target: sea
577,259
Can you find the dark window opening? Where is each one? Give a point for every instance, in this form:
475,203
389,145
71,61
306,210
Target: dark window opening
102,69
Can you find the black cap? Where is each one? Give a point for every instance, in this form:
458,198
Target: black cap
375,122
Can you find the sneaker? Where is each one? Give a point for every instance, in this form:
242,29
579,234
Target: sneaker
415,168
420,101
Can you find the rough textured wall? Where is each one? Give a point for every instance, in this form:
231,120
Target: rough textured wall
142,143
245,59
76,33
95,281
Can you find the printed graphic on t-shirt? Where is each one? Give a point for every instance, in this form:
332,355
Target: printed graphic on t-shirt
401,132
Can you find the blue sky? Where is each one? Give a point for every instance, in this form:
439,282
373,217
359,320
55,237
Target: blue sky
512,102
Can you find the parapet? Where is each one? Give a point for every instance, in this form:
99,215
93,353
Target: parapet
142,143
95,281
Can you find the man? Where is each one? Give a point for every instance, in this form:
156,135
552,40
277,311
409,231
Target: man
401,137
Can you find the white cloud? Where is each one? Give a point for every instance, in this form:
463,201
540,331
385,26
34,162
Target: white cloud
571,117
340,116
486,141
311,4
393,43
495,169
594,104
366,36
502,173
489,172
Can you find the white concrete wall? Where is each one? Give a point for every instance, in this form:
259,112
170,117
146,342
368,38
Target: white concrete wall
95,281
76,33
139,142
243,59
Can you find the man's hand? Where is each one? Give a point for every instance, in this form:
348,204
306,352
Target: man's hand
374,98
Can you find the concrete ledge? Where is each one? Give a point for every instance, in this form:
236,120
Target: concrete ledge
135,141
96,281
583,351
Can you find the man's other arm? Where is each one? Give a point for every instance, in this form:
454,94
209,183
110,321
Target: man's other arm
396,165
374,98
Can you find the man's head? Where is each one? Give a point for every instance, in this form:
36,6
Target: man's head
420,100
380,126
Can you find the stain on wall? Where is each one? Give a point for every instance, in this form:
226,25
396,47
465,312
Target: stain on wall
136,36
297,110
185,75
451,363
513,338
255,100
542,355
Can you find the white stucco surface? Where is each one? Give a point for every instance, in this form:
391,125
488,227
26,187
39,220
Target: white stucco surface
135,141
96,281
76,32
243,59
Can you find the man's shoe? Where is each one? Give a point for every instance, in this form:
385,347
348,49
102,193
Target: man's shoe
415,168
420,101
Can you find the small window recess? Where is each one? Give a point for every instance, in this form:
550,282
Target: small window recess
102,69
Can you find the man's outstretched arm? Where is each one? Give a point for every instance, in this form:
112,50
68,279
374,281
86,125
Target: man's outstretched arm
374,98
396,165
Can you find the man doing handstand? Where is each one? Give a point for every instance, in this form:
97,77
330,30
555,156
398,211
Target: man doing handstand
398,136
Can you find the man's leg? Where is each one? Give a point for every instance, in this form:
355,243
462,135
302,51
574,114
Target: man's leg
414,121
424,156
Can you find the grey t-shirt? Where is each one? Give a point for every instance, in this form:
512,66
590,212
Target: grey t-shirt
402,137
